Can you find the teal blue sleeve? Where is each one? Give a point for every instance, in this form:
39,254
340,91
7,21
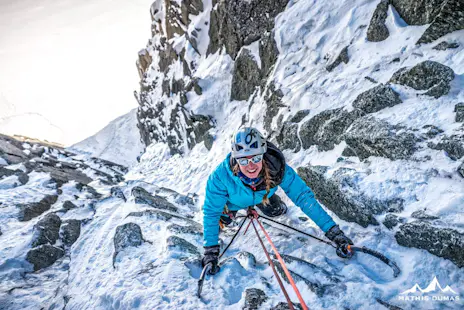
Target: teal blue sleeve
215,200
302,196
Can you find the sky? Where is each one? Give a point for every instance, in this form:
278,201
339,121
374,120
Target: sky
67,68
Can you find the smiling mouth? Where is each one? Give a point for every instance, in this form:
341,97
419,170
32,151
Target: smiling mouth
251,171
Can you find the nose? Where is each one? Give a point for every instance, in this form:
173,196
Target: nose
251,164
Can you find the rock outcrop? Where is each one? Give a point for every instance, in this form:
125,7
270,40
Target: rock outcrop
246,76
376,99
342,57
44,256
47,230
70,231
143,197
127,235
254,298
32,210
377,30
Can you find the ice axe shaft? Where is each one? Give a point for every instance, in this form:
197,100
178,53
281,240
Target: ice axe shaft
205,270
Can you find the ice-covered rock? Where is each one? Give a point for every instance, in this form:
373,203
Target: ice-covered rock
44,256
70,231
376,99
342,57
32,210
143,197
47,230
254,297
377,30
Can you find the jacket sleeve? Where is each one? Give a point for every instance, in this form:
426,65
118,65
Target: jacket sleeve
215,199
302,196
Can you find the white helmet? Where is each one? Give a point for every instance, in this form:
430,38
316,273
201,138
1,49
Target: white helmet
248,141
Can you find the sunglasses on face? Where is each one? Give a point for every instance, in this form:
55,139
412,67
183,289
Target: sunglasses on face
245,161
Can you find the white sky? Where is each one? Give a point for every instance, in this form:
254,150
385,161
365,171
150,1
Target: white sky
67,67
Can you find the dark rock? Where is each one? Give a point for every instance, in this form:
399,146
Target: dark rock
68,205
23,178
47,230
144,197
371,79
344,198
246,76
164,216
342,57
461,170
442,242
234,24
288,136
348,152
442,46
372,137
268,54
459,109
127,235
4,172
92,191
422,215
431,131
32,210
273,99
419,12
201,125
453,146
60,175
177,13
377,30
179,229
450,18
70,231
392,220
181,245
208,139
117,192
44,256
427,75
326,129
376,99
299,116
254,298
284,306
1,232
11,151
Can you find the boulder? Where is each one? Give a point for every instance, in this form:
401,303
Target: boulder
234,24
61,174
68,205
342,57
453,145
442,46
11,151
143,197
118,193
459,109
47,230
419,12
428,75
343,197
377,30
246,76
369,136
254,298
284,306
392,220
326,129
179,229
70,231
423,215
449,19
442,242
32,210
23,178
44,256
178,244
376,99
127,235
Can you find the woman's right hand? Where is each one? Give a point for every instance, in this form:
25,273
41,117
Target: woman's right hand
211,255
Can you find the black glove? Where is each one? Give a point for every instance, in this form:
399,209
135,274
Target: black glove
211,256
336,235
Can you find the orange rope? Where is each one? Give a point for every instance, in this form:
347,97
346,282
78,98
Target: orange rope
303,304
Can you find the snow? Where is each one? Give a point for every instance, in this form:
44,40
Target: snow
154,276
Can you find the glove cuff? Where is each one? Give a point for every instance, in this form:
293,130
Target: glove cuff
213,249
333,232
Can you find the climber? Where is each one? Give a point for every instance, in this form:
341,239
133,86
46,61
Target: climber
249,176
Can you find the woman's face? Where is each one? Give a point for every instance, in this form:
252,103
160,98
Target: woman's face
251,170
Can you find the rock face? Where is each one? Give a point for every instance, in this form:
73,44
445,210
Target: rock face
372,137
234,24
427,75
246,76
47,230
127,235
342,57
459,109
273,99
70,231
450,18
391,221
343,197
326,129
144,197
377,30
181,245
44,256
288,136
376,99
254,297
442,46
32,210
419,12
442,242
453,145
11,151
68,205
461,170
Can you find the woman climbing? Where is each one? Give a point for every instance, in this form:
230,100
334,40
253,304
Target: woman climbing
249,176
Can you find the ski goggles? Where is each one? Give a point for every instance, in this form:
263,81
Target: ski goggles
245,161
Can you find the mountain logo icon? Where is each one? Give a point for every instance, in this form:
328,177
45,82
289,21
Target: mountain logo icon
434,286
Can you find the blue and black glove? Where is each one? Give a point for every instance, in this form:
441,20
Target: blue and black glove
336,235
211,256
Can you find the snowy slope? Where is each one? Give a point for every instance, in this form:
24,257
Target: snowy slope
119,141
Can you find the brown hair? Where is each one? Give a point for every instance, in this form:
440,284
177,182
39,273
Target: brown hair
265,173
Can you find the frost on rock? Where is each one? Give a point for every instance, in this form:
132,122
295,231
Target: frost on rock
343,197
44,256
377,30
443,242
143,197
32,210
427,75
376,99
70,231
178,244
127,235
46,230
254,297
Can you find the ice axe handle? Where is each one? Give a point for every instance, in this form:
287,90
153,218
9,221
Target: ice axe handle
383,258
205,270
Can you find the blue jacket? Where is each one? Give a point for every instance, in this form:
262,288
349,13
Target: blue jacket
223,187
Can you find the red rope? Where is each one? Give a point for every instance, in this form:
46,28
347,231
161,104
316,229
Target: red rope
290,304
282,263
